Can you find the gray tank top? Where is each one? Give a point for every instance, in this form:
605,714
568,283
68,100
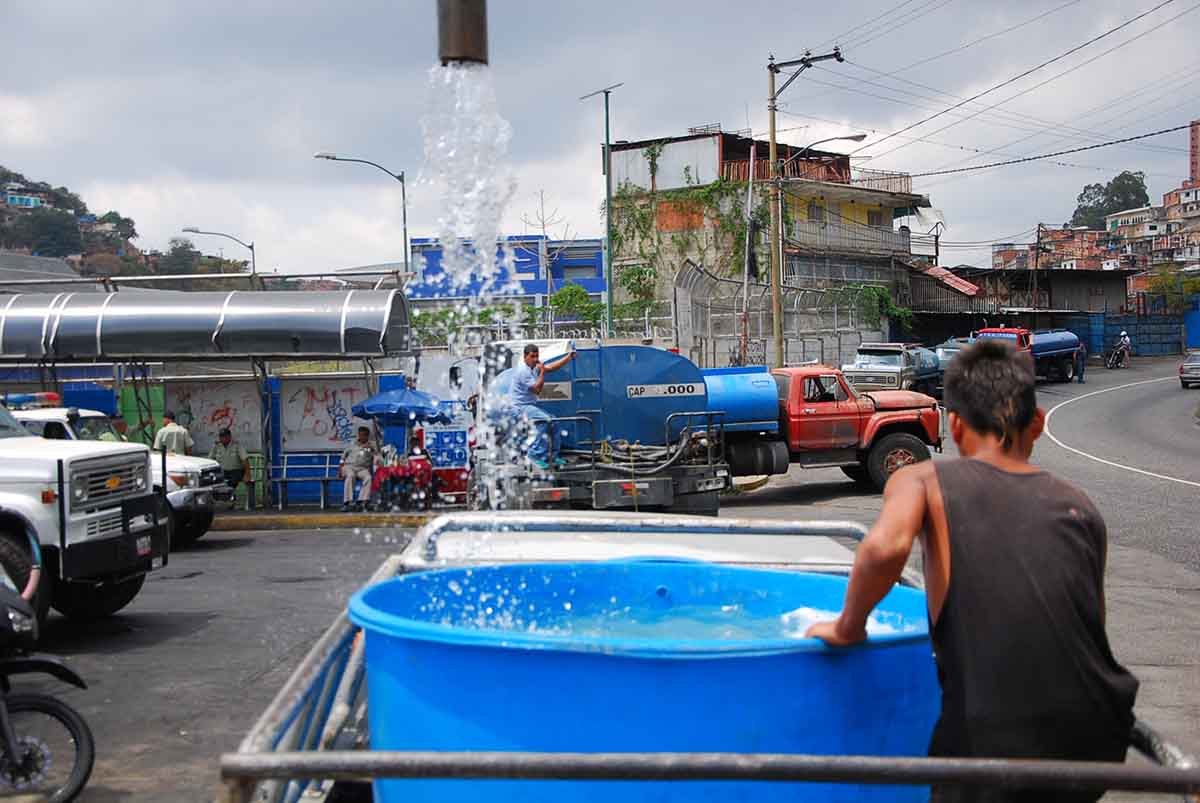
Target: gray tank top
1023,658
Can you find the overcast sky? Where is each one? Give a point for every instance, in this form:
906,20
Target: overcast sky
207,113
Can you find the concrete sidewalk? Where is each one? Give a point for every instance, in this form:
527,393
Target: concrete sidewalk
302,519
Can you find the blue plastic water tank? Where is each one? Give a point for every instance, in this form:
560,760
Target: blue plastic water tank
747,395
595,657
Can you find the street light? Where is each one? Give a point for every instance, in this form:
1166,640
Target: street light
608,278
811,145
250,245
776,260
333,157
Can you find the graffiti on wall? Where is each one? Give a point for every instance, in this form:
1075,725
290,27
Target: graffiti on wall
206,408
316,415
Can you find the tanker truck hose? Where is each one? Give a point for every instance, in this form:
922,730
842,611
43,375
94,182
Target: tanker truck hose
619,468
35,567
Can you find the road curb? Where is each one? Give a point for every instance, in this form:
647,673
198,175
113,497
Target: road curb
317,521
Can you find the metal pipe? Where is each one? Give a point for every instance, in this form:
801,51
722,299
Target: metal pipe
996,773
462,31
174,277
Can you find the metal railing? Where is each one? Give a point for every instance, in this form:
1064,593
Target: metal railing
832,236
824,170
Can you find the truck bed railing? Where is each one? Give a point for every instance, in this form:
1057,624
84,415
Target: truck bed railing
709,417
304,737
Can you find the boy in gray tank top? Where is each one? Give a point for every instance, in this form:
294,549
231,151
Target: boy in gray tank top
1014,574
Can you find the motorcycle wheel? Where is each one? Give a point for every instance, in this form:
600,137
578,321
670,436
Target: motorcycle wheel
57,748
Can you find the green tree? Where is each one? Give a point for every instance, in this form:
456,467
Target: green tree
125,226
47,233
1126,191
181,257
573,302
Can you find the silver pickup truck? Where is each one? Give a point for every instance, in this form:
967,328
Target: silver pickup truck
894,366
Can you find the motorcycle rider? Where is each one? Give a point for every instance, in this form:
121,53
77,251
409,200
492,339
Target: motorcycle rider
1125,345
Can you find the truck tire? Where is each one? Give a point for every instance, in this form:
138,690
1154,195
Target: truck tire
707,503
1066,370
892,452
86,603
16,562
857,473
187,530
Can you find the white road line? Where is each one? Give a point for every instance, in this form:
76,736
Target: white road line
1121,466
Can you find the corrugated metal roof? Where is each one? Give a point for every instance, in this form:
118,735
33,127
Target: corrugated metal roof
949,279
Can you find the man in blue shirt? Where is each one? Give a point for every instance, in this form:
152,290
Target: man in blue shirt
528,380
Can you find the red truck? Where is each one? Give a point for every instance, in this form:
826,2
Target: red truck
1051,350
824,422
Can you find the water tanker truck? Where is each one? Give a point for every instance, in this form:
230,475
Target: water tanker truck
1052,350
633,424
643,428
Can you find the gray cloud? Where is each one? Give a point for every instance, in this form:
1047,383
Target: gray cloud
208,114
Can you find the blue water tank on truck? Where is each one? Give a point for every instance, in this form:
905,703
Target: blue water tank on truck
747,400
1052,350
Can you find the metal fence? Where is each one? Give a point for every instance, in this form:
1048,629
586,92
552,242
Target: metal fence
719,323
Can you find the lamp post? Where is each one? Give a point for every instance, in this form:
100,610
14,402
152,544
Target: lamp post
333,157
776,259
608,277
250,245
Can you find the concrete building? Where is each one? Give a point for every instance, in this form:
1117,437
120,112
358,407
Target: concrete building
682,198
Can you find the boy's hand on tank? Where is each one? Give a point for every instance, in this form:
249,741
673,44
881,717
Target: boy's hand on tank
831,634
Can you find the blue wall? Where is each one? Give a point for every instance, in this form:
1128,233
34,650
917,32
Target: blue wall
584,262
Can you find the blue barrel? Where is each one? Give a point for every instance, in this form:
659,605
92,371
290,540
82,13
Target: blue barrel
747,395
638,656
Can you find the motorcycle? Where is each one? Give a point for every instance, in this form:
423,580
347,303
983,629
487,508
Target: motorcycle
1117,357
46,746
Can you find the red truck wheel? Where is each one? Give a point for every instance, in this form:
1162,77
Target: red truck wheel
891,453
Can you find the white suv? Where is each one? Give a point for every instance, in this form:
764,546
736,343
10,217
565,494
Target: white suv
191,481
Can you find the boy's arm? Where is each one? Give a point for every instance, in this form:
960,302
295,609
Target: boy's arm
881,556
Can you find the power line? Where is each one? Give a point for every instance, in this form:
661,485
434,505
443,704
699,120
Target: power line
974,42
1014,115
896,25
1176,80
848,31
958,147
1067,71
1021,75
985,38
1003,122
1051,155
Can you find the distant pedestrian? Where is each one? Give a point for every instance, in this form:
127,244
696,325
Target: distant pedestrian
235,463
1080,361
173,438
358,463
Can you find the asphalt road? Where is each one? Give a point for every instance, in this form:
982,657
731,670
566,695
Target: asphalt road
180,676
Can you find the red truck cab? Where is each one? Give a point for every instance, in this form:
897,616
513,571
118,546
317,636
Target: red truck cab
826,423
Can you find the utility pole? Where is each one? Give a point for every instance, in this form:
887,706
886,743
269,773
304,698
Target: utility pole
745,349
1037,259
608,276
776,252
